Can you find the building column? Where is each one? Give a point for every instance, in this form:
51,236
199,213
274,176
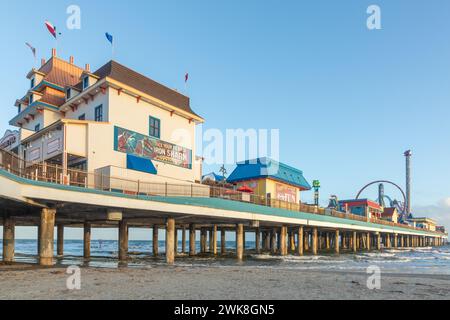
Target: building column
355,242
192,240
240,241
388,240
60,240
123,240
170,241
300,238
368,241
87,240
283,242
46,236
402,243
9,227
258,241
336,241
395,240
314,241
223,241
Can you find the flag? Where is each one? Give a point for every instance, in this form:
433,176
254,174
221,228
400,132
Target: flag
51,28
186,77
32,49
109,37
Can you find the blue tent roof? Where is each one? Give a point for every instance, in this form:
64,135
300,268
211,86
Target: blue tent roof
214,175
268,168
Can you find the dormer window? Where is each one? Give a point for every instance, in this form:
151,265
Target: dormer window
32,83
19,108
68,93
85,82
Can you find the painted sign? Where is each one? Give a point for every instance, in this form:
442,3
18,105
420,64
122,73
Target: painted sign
137,144
10,140
285,193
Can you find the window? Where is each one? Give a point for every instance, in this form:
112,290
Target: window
99,113
155,127
32,81
31,99
82,117
85,82
19,108
68,94
37,127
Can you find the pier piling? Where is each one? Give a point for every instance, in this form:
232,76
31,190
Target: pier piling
8,238
46,236
191,240
60,240
300,238
223,242
314,241
336,241
355,242
170,241
87,240
258,241
155,240
123,240
240,241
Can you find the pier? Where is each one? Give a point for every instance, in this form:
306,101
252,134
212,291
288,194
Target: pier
32,198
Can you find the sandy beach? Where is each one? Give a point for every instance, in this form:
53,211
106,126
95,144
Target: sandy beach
204,283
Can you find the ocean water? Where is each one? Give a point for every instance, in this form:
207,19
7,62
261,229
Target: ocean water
429,260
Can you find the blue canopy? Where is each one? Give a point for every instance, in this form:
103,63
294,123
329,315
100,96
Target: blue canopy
140,164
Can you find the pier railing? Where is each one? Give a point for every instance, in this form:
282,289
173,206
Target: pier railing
54,173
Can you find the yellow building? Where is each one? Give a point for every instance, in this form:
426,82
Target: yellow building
424,223
110,122
270,178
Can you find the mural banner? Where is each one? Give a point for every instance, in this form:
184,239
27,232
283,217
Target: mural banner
137,144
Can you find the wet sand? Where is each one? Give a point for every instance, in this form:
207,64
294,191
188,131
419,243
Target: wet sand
205,283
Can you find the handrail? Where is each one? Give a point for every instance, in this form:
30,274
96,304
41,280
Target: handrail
53,173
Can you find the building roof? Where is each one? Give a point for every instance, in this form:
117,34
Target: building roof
423,220
214,176
360,202
268,168
118,72
389,212
60,72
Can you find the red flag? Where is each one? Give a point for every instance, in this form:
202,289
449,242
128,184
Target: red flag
51,28
186,77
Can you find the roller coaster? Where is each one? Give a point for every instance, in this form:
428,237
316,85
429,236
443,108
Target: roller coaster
393,203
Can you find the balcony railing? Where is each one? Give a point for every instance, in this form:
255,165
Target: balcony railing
53,173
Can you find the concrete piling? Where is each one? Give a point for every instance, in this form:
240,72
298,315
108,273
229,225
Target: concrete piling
155,240
170,241
355,242
46,236
60,240
87,240
123,240
300,238
240,241
183,240
214,240
283,241
258,241
336,241
8,238
314,241
192,240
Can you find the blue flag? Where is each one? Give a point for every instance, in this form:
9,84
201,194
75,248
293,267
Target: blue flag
109,37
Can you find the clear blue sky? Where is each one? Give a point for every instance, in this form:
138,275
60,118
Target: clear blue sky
348,101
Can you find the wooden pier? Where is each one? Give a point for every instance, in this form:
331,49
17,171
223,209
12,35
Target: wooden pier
278,231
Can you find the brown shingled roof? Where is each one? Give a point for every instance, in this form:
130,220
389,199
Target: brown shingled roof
118,72
61,72
388,212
